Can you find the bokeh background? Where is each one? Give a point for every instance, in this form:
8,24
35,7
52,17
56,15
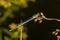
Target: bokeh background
13,12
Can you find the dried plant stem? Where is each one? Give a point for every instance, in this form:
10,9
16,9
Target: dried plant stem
35,16
21,34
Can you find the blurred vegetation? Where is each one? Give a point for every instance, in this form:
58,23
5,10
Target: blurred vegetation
7,9
10,6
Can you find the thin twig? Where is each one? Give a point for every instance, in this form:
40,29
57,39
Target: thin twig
35,16
49,18
21,34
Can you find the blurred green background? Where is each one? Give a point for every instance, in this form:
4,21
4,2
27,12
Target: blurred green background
11,15
12,12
